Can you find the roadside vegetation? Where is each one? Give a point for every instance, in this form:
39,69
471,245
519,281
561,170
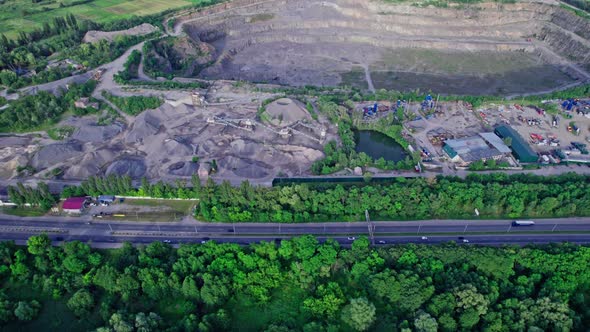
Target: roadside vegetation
35,112
39,198
495,195
298,285
135,104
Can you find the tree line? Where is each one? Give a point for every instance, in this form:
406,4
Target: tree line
295,285
494,195
39,197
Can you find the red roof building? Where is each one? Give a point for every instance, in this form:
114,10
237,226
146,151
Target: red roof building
74,204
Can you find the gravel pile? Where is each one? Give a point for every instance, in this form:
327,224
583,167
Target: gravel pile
94,133
146,124
131,166
182,168
94,36
52,154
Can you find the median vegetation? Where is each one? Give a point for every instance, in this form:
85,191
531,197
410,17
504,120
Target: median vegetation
299,285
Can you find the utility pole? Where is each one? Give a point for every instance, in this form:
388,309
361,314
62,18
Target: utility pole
370,227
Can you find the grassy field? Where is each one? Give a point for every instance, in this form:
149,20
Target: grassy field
154,210
24,211
21,15
453,62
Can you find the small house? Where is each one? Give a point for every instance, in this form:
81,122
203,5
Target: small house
74,205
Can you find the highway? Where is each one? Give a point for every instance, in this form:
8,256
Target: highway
484,232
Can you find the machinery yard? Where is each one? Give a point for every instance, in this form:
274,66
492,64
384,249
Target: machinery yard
546,133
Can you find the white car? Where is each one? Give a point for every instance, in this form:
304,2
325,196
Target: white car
465,241
381,242
351,238
167,241
424,238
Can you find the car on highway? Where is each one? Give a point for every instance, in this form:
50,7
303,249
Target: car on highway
424,238
465,241
203,242
381,242
167,241
59,238
351,238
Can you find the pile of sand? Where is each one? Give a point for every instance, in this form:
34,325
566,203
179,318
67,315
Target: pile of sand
285,111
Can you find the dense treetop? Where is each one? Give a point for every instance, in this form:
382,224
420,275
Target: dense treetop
299,285
496,195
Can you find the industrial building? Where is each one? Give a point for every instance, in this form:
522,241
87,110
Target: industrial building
520,148
482,147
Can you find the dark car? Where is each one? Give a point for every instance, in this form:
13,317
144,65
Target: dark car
59,238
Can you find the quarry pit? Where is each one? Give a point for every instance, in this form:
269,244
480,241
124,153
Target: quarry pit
476,49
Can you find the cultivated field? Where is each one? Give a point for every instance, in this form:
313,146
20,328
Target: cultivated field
21,15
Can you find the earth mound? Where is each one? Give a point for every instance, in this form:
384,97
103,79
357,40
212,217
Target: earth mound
53,154
285,112
133,167
94,36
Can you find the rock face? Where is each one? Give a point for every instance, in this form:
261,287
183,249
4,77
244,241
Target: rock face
366,43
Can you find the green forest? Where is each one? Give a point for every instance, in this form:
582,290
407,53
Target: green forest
135,104
295,285
33,112
496,195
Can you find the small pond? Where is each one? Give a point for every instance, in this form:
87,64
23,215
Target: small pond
377,145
